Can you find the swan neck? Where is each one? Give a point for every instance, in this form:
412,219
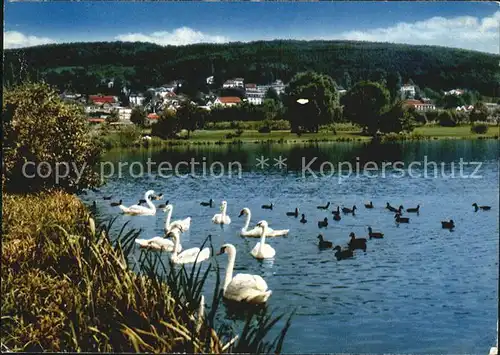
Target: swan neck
176,247
262,239
224,210
229,270
167,219
247,220
149,203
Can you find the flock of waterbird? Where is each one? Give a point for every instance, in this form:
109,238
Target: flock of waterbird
250,288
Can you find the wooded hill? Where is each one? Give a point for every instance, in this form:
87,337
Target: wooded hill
81,66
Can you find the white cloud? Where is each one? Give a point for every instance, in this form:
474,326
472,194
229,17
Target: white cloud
466,32
15,39
178,37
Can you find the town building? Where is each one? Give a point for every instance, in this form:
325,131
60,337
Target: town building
408,90
456,92
96,120
152,118
491,106
465,108
234,83
136,99
227,101
124,114
240,82
420,105
250,87
278,86
101,100
255,98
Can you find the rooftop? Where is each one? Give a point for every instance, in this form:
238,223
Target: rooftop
102,99
229,100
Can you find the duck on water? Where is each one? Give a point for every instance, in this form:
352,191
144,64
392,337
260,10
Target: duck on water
342,254
482,208
357,243
376,235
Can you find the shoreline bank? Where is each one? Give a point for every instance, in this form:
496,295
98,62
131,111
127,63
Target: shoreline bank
223,137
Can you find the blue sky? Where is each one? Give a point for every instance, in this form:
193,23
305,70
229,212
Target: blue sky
456,24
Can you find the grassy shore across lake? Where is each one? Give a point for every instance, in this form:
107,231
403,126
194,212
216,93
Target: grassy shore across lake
344,133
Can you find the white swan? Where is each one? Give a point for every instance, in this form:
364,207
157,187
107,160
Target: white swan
222,218
188,256
243,287
141,210
261,249
183,224
158,243
256,232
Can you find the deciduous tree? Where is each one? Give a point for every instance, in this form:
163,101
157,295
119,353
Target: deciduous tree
322,101
168,125
479,113
138,116
365,104
39,128
188,117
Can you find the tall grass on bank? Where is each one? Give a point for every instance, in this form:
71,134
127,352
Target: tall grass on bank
67,287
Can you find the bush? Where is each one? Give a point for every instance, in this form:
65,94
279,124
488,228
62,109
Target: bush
265,129
461,117
40,128
397,119
235,134
392,137
419,117
479,128
432,116
218,125
446,119
113,117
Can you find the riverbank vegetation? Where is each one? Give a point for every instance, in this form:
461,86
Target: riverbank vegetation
66,286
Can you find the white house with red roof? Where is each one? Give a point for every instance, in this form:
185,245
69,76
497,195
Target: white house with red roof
227,101
419,105
102,99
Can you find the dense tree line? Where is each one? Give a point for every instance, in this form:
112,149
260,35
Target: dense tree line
84,66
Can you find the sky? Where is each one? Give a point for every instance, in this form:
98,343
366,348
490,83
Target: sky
467,25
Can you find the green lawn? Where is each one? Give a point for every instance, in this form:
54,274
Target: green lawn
253,135
454,132
116,139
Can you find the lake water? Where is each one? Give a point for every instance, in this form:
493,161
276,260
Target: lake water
421,289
